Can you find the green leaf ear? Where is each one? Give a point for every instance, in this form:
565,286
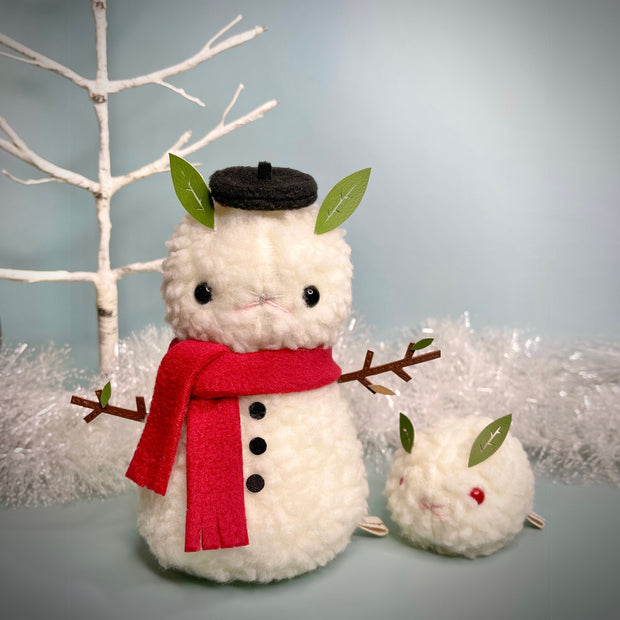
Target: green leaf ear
191,190
407,434
489,440
341,201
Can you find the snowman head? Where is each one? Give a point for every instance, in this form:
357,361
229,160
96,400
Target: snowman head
261,278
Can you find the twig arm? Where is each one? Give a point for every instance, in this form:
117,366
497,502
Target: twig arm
396,367
138,415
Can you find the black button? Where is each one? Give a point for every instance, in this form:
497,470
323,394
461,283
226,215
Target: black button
258,445
258,410
255,483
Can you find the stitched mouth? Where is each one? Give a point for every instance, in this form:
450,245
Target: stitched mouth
264,300
434,508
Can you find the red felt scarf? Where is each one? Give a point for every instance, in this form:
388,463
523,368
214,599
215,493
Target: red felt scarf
203,380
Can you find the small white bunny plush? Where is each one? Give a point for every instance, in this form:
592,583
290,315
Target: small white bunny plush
454,490
264,478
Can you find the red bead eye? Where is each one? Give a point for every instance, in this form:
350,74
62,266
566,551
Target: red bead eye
400,482
477,494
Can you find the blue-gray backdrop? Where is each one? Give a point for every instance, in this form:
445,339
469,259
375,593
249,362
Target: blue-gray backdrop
491,127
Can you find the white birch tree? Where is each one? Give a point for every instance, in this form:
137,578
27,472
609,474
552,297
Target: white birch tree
105,278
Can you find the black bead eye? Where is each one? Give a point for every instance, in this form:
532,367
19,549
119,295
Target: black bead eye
202,293
311,296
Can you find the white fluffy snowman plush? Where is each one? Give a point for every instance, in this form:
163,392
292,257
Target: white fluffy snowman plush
249,459
454,490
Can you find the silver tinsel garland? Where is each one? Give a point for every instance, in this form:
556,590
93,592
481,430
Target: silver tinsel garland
565,401
48,454
564,397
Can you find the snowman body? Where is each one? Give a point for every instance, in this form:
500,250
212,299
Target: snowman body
259,282
313,496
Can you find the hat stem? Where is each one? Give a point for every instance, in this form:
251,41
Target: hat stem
264,170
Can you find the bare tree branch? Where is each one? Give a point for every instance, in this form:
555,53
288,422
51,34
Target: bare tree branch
230,105
19,149
180,91
105,279
31,57
28,181
208,51
19,58
149,169
24,275
224,30
153,265
161,164
222,130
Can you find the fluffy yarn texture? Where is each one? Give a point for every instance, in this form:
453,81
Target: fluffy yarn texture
258,270
257,267
315,490
199,382
429,490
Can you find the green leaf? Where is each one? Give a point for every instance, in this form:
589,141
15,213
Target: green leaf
191,190
105,394
422,344
407,434
341,201
489,440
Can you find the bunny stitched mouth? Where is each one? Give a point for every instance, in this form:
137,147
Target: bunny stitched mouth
433,508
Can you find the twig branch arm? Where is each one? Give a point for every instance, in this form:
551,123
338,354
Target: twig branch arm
138,415
409,359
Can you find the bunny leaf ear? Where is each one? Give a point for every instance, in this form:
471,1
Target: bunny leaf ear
191,190
489,440
407,434
341,201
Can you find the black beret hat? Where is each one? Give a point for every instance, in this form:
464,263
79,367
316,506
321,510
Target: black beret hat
263,188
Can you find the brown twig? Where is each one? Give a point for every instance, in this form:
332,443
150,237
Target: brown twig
396,367
139,415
